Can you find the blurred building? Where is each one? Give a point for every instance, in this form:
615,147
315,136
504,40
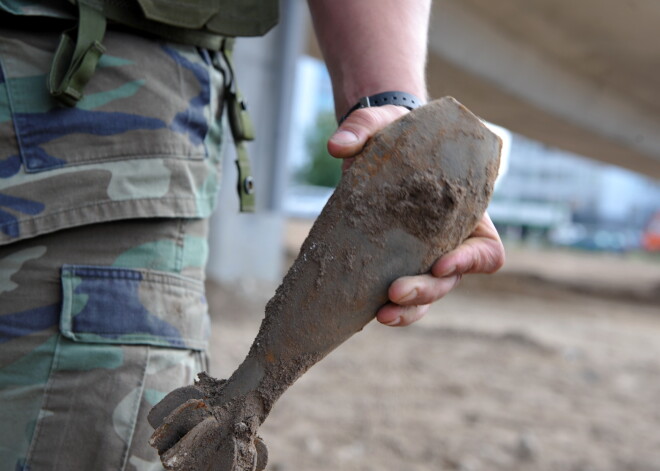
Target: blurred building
564,198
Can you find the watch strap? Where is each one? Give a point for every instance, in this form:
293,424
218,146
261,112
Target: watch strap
407,100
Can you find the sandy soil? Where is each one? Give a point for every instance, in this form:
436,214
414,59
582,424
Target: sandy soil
552,364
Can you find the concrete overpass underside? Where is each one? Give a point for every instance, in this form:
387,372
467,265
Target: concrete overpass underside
583,76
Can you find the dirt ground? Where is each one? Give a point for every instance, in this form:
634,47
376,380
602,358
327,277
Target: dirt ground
552,364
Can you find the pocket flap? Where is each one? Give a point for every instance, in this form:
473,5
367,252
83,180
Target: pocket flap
192,14
133,306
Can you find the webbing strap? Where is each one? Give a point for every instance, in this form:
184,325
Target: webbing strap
77,55
245,180
242,130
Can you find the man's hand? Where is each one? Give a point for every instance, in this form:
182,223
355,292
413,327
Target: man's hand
355,131
412,296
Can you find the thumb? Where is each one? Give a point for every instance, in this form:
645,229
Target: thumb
351,136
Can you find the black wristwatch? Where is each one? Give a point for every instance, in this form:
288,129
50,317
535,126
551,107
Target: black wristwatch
407,100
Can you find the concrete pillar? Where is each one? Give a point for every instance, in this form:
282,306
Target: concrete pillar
249,246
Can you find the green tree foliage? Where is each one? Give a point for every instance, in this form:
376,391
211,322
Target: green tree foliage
322,169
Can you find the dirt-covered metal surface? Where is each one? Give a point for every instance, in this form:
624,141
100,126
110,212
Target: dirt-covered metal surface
416,191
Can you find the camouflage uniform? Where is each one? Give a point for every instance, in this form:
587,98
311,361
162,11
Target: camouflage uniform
102,246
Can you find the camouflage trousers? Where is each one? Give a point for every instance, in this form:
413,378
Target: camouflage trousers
97,324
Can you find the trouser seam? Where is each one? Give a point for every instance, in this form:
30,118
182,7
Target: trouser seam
47,387
180,245
136,408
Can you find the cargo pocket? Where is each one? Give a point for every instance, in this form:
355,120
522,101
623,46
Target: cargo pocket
127,337
144,142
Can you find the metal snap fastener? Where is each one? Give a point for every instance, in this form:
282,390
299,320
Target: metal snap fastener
248,185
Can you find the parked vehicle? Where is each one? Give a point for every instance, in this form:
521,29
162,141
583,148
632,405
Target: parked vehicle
651,235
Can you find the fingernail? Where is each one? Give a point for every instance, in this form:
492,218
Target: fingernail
396,321
408,297
344,137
